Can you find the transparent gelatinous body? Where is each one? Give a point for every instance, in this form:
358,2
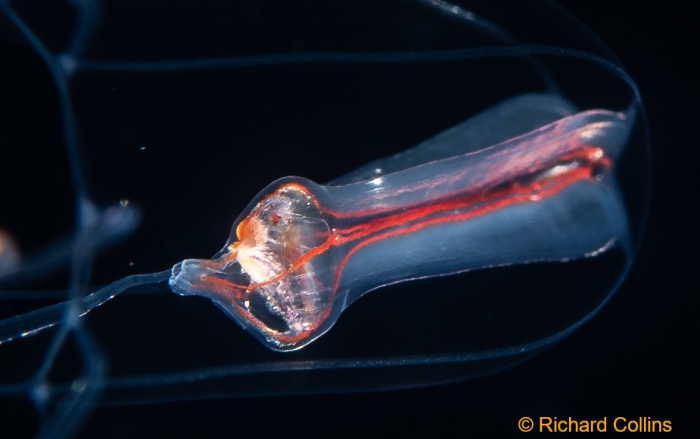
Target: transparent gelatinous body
495,135
302,252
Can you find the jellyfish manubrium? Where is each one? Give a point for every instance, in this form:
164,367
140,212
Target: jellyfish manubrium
301,252
509,154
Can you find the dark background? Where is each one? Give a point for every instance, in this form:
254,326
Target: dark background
636,358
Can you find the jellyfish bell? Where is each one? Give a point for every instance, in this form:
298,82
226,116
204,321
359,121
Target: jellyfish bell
190,127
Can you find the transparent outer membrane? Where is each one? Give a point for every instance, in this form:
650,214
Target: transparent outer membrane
157,139
304,252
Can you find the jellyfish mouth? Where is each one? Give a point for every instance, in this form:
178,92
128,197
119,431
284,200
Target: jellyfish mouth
275,277
278,249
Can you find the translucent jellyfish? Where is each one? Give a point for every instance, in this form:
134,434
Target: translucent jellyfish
137,137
